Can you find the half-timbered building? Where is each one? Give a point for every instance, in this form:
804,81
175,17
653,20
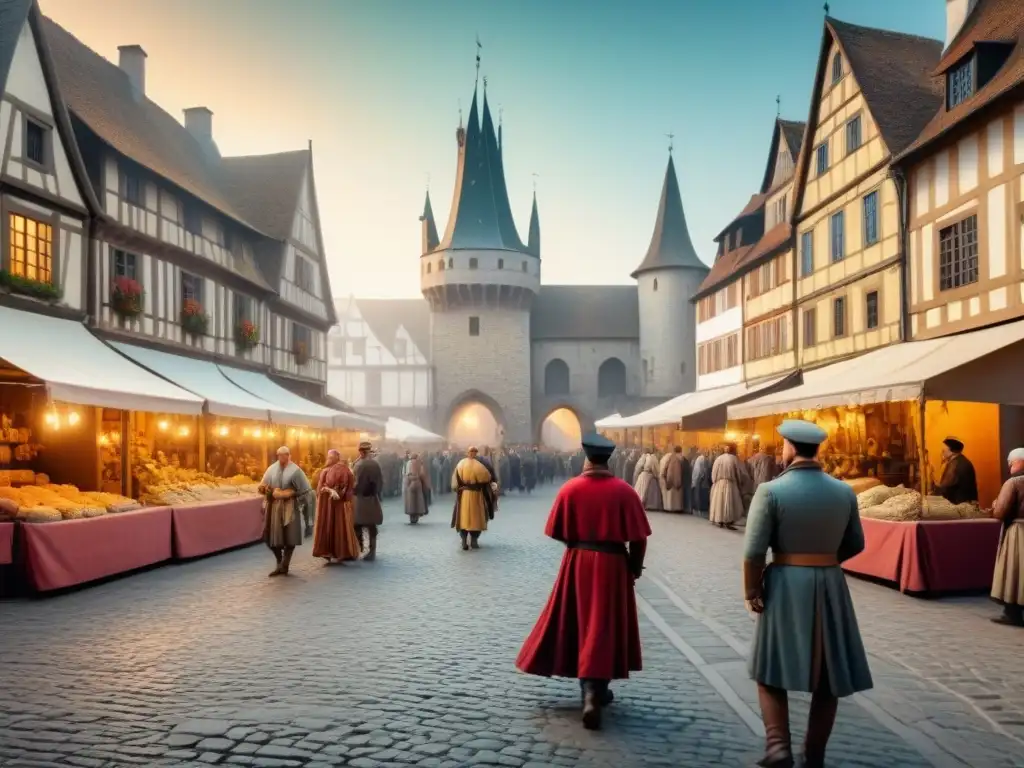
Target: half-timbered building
965,176
873,93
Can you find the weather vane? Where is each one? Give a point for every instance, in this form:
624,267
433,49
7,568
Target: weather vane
428,182
826,9
671,142
778,106
479,48
535,177
485,82
460,113
501,114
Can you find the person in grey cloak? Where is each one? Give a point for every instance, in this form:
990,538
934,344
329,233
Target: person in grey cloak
806,636
367,513
287,492
700,482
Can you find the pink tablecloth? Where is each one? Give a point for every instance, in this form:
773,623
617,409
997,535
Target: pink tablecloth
931,557
6,543
201,529
71,552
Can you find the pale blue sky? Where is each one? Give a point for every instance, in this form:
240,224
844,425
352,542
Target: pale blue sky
588,89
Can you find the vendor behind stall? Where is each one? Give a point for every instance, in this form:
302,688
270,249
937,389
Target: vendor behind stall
958,483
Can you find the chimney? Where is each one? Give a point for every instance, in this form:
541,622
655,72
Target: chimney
199,122
133,63
957,12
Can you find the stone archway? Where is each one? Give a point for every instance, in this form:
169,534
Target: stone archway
561,429
475,419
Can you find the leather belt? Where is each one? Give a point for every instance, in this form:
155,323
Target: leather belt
608,547
804,560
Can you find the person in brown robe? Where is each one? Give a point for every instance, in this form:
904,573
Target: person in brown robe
958,483
335,536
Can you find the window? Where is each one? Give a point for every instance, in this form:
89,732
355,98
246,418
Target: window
611,377
837,68
440,266
556,378
655,285
302,335
839,317
35,142
401,349
853,137
191,288
821,153
131,189
429,265
303,274
810,327
125,264
474,326
473,263
243,309
958,254
960,83
780,210
501,263
31,248
871,218
806,253
732,351
872,309
451,263
767,339
836,227
193,220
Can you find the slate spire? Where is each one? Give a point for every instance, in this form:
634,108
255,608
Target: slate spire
534,245
428,227
671,245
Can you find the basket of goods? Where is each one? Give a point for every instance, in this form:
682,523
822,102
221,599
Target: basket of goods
126,297
39,515
938,508
880,493
901,508
247,334
194,320
112,502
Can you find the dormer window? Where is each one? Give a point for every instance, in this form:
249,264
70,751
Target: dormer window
837,68
960,83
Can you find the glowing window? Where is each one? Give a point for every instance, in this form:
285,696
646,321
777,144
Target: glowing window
31,246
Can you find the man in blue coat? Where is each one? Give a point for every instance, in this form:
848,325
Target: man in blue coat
806,637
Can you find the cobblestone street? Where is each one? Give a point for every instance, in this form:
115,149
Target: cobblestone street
409,661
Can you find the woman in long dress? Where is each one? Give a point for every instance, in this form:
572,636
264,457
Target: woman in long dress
286,491
417,486
729,480
647,486
335,535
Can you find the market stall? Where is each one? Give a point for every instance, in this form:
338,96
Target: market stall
407,433
886,414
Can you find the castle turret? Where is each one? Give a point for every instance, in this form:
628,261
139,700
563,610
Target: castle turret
669,275
480,282
428,229
533,246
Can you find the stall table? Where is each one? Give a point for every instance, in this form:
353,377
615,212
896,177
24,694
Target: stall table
929,556
6,543
213,526
72,552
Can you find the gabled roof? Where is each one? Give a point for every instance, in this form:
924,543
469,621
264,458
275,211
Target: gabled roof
100,95
13,16
386,316
585,312
793,130
791,133
723,271
266,188
754,204
671,246
991,21
894,72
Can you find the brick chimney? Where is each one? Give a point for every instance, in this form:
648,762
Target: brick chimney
133,63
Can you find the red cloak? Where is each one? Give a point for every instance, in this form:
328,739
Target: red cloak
589,627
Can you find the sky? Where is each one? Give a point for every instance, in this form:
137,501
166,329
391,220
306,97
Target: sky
589,90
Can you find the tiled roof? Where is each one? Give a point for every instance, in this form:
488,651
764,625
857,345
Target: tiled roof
793,130
753,205
991,21
723,271
386,316
894,72
585,312
265,188
770,241
13,14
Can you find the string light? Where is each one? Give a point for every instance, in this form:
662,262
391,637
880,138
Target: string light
223,431
257,433
163,426
73,418
183,431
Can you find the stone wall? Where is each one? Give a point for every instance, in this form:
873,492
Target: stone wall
668,331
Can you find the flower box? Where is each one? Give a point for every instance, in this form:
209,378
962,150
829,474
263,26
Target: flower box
194,320
247,334
36,289
127,297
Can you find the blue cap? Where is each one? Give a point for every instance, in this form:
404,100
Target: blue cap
799,431
597,447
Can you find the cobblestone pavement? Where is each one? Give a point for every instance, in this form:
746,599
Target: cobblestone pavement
409,661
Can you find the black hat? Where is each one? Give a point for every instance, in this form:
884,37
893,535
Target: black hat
597,447
954,444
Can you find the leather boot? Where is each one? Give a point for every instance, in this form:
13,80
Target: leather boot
605,695
465,543
591,706
277,556
820,720
372,554
778,749
474,540
286,560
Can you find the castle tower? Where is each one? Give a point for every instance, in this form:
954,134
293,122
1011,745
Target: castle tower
667,278
480,281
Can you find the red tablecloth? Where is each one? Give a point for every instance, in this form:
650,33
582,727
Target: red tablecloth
930,556
74,552
201,529
6,543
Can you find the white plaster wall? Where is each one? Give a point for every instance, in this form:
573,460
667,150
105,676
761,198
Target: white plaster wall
668,330
729,321
495,363
721,378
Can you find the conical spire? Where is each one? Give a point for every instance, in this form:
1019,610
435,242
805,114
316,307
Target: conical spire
671,245
534,245
506,224
428,228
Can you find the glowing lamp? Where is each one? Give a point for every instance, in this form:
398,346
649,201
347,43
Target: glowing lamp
104,439
730,435
50,418
223,431
183,431
163,426
257,433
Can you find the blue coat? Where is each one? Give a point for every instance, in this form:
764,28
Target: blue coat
804,511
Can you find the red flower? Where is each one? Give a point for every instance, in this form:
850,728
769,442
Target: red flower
192,308
127,287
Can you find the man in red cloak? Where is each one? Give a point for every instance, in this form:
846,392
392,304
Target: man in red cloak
589,628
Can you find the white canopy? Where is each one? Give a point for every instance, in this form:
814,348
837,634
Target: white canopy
663,413
946,368
609,422
203,378
285,407
403,431
81,369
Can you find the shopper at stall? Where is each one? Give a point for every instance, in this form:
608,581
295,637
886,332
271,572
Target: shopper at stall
729,484
475,493
701,484
1008,579
675,486
334,538
958,483
417,489
589,629
763,466
367,513
806,637
647,485
287,491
